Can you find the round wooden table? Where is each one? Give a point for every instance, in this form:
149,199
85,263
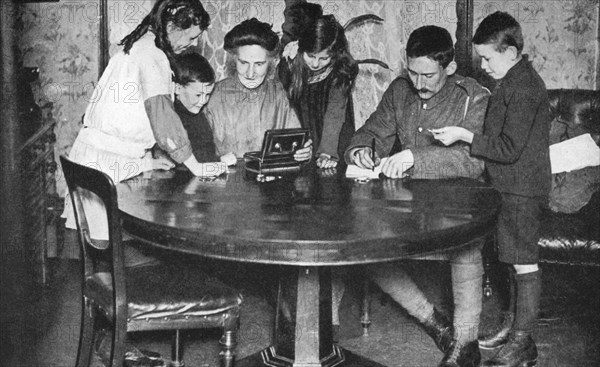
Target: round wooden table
309,221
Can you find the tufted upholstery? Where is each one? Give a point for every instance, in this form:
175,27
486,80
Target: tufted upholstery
573,238
158,292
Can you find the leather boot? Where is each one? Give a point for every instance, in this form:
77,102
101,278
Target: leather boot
439,328
501,336
460,355
519,351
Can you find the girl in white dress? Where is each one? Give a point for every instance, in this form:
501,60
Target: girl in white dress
132,107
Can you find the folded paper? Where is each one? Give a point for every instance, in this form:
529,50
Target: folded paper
573,154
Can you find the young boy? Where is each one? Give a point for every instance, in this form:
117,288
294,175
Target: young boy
194,83
515,147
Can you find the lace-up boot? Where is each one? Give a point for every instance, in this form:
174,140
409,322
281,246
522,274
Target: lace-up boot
439,328
519,351
462,355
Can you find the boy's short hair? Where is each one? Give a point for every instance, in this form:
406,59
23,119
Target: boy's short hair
433,42
192,67
501,30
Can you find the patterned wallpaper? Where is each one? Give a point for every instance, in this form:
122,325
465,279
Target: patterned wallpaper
61,39
383,41
561,38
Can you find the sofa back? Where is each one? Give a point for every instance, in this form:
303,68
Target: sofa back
575,112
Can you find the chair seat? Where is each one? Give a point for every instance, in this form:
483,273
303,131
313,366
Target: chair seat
165,292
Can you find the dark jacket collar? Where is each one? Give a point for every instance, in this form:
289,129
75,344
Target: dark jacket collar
517,69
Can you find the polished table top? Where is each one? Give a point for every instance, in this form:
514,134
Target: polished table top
306,219
310,220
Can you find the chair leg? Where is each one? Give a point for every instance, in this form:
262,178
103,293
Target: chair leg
229,341
117,356
365,318
86,336
177,350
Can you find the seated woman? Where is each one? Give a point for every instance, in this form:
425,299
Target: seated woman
250,101
318,72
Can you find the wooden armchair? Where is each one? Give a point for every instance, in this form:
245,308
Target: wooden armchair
148,297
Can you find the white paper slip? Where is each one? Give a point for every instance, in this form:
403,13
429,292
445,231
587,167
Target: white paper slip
353,171
574,154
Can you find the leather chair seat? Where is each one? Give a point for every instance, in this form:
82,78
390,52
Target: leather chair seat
147,294
165,292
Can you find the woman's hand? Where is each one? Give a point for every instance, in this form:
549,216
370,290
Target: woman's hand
229,159
451,134
305,153
326,161
290,50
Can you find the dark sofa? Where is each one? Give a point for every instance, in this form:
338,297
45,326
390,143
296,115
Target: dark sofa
573,237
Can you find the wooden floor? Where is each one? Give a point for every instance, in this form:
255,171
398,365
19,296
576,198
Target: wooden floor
568,332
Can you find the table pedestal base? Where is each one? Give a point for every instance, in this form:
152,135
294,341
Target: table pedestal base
303,336
340,358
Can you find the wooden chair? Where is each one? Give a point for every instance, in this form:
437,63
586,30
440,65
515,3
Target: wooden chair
150,297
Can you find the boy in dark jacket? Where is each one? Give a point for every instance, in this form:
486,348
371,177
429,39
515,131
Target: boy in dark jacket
515,146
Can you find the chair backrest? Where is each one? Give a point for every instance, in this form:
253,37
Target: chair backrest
83,181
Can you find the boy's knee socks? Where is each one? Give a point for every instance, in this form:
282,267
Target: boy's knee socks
529,288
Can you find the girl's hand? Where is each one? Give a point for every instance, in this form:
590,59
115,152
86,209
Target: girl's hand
160,162
451,134
305,153
229,159
290,50
326,161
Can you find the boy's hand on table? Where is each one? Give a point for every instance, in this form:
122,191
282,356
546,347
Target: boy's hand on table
163,163
229,159
210,169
